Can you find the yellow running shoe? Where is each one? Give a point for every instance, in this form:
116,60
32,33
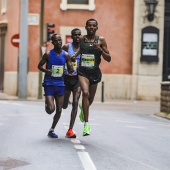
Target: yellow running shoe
87,130
81,115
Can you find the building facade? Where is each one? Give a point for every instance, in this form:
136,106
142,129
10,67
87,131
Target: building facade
124,24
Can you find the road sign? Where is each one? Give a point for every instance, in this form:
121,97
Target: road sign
15,40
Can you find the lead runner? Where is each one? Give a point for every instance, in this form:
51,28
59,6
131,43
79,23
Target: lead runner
92,47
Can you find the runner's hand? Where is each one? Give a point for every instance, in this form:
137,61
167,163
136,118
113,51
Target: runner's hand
73,58
97,46
49,72
71,70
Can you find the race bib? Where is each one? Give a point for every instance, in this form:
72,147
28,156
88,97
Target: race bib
57,71
87,60
74,64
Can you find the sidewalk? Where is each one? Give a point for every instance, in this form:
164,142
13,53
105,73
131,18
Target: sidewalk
4,96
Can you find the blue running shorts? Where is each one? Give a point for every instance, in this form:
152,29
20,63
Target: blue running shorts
52,90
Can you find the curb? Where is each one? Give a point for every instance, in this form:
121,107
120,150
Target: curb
4,96
163,114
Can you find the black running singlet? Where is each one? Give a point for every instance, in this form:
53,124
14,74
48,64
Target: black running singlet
90,57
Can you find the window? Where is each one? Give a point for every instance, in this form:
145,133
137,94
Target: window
3,6
33,19
77,4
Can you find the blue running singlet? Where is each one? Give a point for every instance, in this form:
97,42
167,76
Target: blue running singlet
56,64
74,64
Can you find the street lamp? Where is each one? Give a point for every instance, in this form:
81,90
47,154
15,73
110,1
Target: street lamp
151,4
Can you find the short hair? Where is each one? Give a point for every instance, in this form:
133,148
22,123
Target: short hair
54,36
91,20
75,29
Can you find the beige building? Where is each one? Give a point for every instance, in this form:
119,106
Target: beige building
138,47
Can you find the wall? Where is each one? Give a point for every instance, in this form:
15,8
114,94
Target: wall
125,77
116,27
11,52
146,77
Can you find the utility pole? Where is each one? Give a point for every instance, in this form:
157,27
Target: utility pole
41,43
23,50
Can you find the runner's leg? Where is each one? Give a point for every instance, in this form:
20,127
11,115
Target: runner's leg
84,84
92,92
49,104
59,104
76,96
66,99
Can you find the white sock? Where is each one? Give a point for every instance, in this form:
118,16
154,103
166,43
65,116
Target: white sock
51,129
86,123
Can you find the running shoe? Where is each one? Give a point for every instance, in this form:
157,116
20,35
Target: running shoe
81,115
51,134
70,134
87,130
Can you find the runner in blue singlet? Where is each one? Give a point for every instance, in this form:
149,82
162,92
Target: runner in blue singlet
53,83
71,81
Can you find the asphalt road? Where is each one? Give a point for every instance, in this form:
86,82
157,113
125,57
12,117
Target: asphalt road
126,135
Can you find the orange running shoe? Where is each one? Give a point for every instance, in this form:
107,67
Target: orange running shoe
70,134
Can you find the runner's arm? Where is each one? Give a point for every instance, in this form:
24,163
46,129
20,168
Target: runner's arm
69,65
73,57
42,62
104,51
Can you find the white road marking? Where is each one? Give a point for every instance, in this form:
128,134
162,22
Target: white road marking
136,127
124,121
84,156
86,161
66,127
17,104
79,146
90,119
65,124
96,124
75,141
163,125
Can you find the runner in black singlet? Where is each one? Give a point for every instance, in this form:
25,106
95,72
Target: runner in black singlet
92,47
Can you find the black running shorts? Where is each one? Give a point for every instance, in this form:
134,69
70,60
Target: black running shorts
71,82
94,75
